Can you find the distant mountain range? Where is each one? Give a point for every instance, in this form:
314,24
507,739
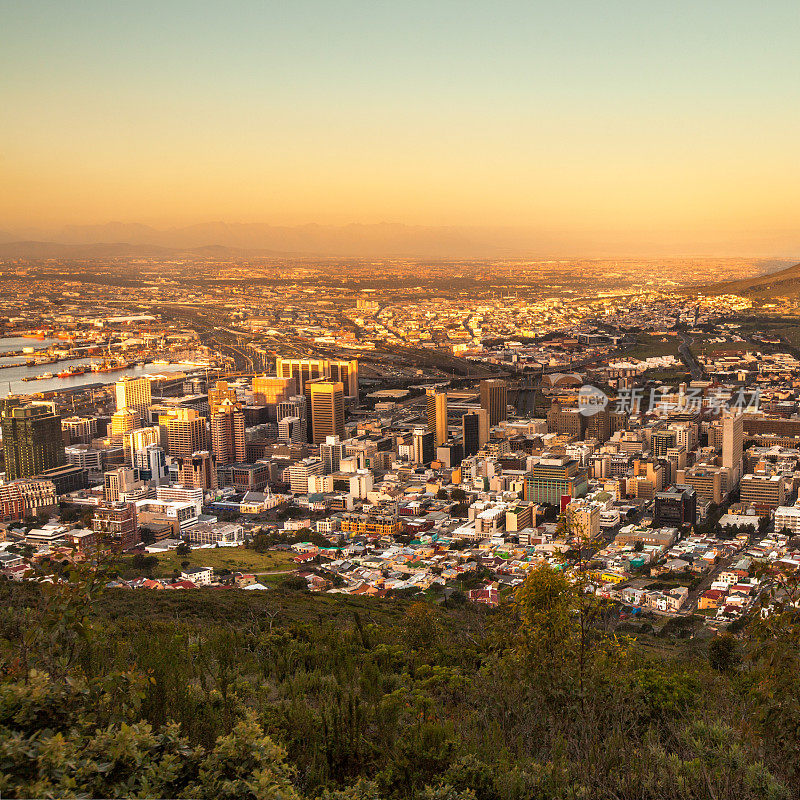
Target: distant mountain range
783,283
223,239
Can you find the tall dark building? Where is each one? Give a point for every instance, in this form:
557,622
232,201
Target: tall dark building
675,507
493,399
32,438
475,428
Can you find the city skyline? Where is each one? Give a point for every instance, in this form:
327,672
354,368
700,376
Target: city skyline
576,129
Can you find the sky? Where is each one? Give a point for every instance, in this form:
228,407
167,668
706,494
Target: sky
671,124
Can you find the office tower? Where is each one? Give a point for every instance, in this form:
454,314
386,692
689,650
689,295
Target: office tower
493,399
552,479
332,451
135,393
292,429
437,415
138,439
186,432
79,430
301,471
222,391
566,421
732,446
661,441
120,481
346,372
125,420
675,507
197,471
227,433
151,461
450,455
32,438
305,370
327,409
295,406
475,428
424,446
270,391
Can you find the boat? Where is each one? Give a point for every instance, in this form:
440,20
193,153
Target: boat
72,372
45,376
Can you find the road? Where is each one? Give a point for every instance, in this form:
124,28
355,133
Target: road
687,356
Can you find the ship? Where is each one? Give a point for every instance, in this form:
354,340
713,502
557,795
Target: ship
73,371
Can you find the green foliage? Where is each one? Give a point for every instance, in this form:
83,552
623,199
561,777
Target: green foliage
284,694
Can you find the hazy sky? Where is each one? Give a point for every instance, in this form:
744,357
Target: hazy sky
645,120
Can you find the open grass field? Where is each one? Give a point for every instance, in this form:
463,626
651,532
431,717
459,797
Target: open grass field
648,346
236,559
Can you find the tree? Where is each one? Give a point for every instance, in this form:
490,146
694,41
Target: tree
723,653
183,549
442,494
459,495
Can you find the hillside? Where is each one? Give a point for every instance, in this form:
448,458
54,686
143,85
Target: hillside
784,283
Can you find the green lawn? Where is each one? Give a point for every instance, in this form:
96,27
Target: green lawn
236,559
648,346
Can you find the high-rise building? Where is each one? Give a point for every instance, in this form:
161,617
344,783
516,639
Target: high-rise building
305,370
424,446
437,415
186,432
301,471
661,441
295,406
151,461
135,393
475,428
494,399
332,451
292,429
273,389
327,409
121,481
227,433
222,391
139,439
732,447
197,471
32,438
79,430
554,478
125,420
675,507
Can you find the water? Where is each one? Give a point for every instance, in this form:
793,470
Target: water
11,378
14,343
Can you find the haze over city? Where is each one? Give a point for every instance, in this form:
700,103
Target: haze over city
577,128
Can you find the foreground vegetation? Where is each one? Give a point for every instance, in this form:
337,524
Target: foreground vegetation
289,695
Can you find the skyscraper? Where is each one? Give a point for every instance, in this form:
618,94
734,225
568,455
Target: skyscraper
296,407
437,415
271,391
125,420
423,445
219,393
305,370
186,432
135,393
197,471
32,438
227,432
332,451
732,447
493,399
475,429
327,409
